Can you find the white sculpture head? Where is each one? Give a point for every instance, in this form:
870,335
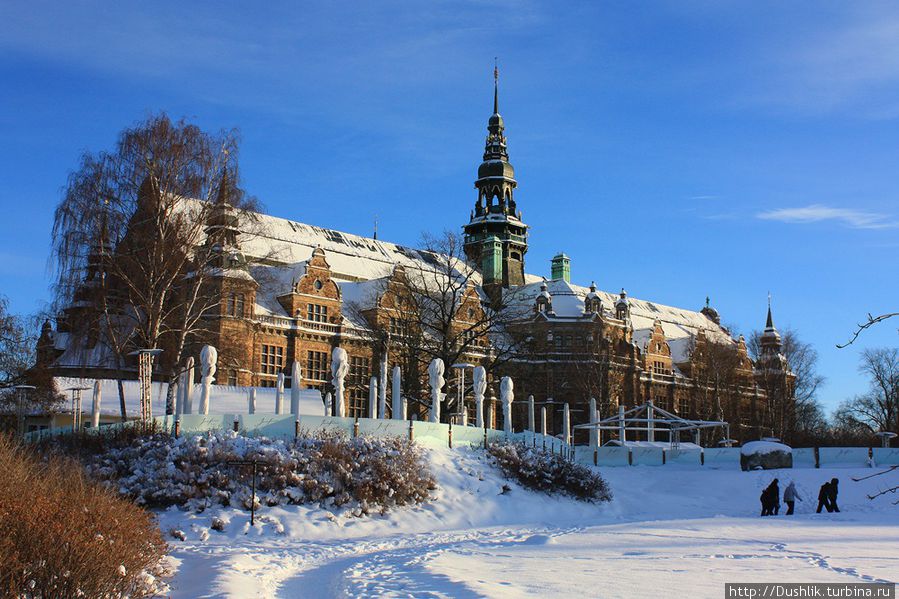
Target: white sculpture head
506,389
480,380
339,365
435,373
208,357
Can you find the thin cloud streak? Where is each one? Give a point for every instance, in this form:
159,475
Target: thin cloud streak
816,213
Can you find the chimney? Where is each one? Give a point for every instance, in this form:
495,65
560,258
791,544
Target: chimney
561,267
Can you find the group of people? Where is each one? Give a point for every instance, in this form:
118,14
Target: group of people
827,498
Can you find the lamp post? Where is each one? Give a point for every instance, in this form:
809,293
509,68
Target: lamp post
460,381
76,406
145,377
21,396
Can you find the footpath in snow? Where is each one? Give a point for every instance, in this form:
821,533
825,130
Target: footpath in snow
667,532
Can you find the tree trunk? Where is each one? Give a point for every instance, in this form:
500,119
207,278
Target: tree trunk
124,410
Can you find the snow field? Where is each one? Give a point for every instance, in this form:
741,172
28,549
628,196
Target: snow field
667,532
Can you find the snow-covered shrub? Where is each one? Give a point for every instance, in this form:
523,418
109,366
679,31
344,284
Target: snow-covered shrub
548,472
194,471
89,442
63,535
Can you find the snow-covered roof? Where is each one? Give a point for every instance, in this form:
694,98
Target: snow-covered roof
351,257
679,325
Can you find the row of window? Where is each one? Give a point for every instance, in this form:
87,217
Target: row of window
236,306
316,313
659,367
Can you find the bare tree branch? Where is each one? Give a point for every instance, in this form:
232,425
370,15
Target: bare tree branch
872,320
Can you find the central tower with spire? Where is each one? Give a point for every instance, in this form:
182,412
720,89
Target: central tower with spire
495,236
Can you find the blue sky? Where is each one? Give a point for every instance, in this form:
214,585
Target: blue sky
677,149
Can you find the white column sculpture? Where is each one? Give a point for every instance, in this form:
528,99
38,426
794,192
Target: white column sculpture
399,408
208,357
95,406
594,432
373,397
339,369
479,382
436,381
251,408
566,424
382,387
531,424
507,395
279,394
296,380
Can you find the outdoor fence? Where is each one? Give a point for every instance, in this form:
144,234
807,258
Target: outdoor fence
432,434
429,434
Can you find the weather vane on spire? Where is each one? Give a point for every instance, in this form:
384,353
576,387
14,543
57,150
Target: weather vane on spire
495,69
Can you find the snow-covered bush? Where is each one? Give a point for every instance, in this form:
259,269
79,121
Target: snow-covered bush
548,472
89,442
194,471
63,535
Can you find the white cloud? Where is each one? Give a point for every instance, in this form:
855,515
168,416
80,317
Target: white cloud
816,213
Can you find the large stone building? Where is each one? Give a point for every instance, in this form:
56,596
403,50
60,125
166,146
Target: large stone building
293,292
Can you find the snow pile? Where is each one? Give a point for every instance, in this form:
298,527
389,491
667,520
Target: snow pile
536,469
754,447
765,455
366,474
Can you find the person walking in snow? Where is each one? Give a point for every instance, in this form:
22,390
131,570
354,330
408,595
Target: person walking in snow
770,499
824,498
832,495
790,497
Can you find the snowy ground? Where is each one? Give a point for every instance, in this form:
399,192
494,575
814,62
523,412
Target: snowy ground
668,532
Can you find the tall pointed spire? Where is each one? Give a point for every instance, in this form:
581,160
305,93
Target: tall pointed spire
495,87
769,324
495,213
770,336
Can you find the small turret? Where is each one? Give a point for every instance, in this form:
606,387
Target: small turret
622,306
710,312
592,303
543,304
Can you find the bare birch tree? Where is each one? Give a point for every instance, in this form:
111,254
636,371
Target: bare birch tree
128,241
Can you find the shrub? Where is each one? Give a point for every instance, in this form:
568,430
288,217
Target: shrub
88,442
62,535
194,471
536,469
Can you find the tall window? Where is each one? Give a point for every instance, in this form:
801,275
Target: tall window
232,378
272,359
236,305
317,366
397,327
358,383
316,313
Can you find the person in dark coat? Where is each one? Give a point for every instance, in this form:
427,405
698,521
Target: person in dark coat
770,499
832,495
824,498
